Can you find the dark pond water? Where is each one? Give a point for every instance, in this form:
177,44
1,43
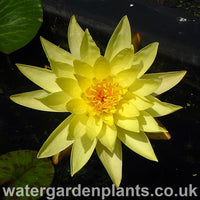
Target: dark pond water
179,158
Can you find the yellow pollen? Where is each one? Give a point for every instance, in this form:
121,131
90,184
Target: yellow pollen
103,95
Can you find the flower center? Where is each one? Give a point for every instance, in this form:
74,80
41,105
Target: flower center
103,95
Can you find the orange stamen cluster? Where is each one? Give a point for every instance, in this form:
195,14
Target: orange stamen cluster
104,95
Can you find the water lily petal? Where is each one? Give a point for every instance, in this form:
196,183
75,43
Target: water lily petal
55,53
83,82
30,100
129,124
146,56
112,161
57,141
122,61
75,37
140,102
77,127
169,80
138,142
148,123
83,69
128,109
57,101
144,87
62,69
120,39
108,136
93,127
108,118
101,68
160,108
89,51
127,77
77,106
44,78
82,150
69,86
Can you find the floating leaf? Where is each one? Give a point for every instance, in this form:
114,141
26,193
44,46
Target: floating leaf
22,168
19,23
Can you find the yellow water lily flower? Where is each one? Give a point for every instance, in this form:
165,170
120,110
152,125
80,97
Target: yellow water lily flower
109,97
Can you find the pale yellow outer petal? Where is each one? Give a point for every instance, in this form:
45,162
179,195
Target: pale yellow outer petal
108,136
120,39
127,77
112,161
83,69
146,56
129,124
101,68
30,100
75,37
160,108
62,69
168,80
56,53
70,86
82,150
138,142
77,127
77,106
144,87
89,51
44,78
141,103
122,61
93,127
57,141
148,123
56,101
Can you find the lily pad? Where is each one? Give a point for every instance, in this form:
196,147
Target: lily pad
19,23
22,168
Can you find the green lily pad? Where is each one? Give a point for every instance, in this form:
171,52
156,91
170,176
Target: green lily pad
19,23
22,168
